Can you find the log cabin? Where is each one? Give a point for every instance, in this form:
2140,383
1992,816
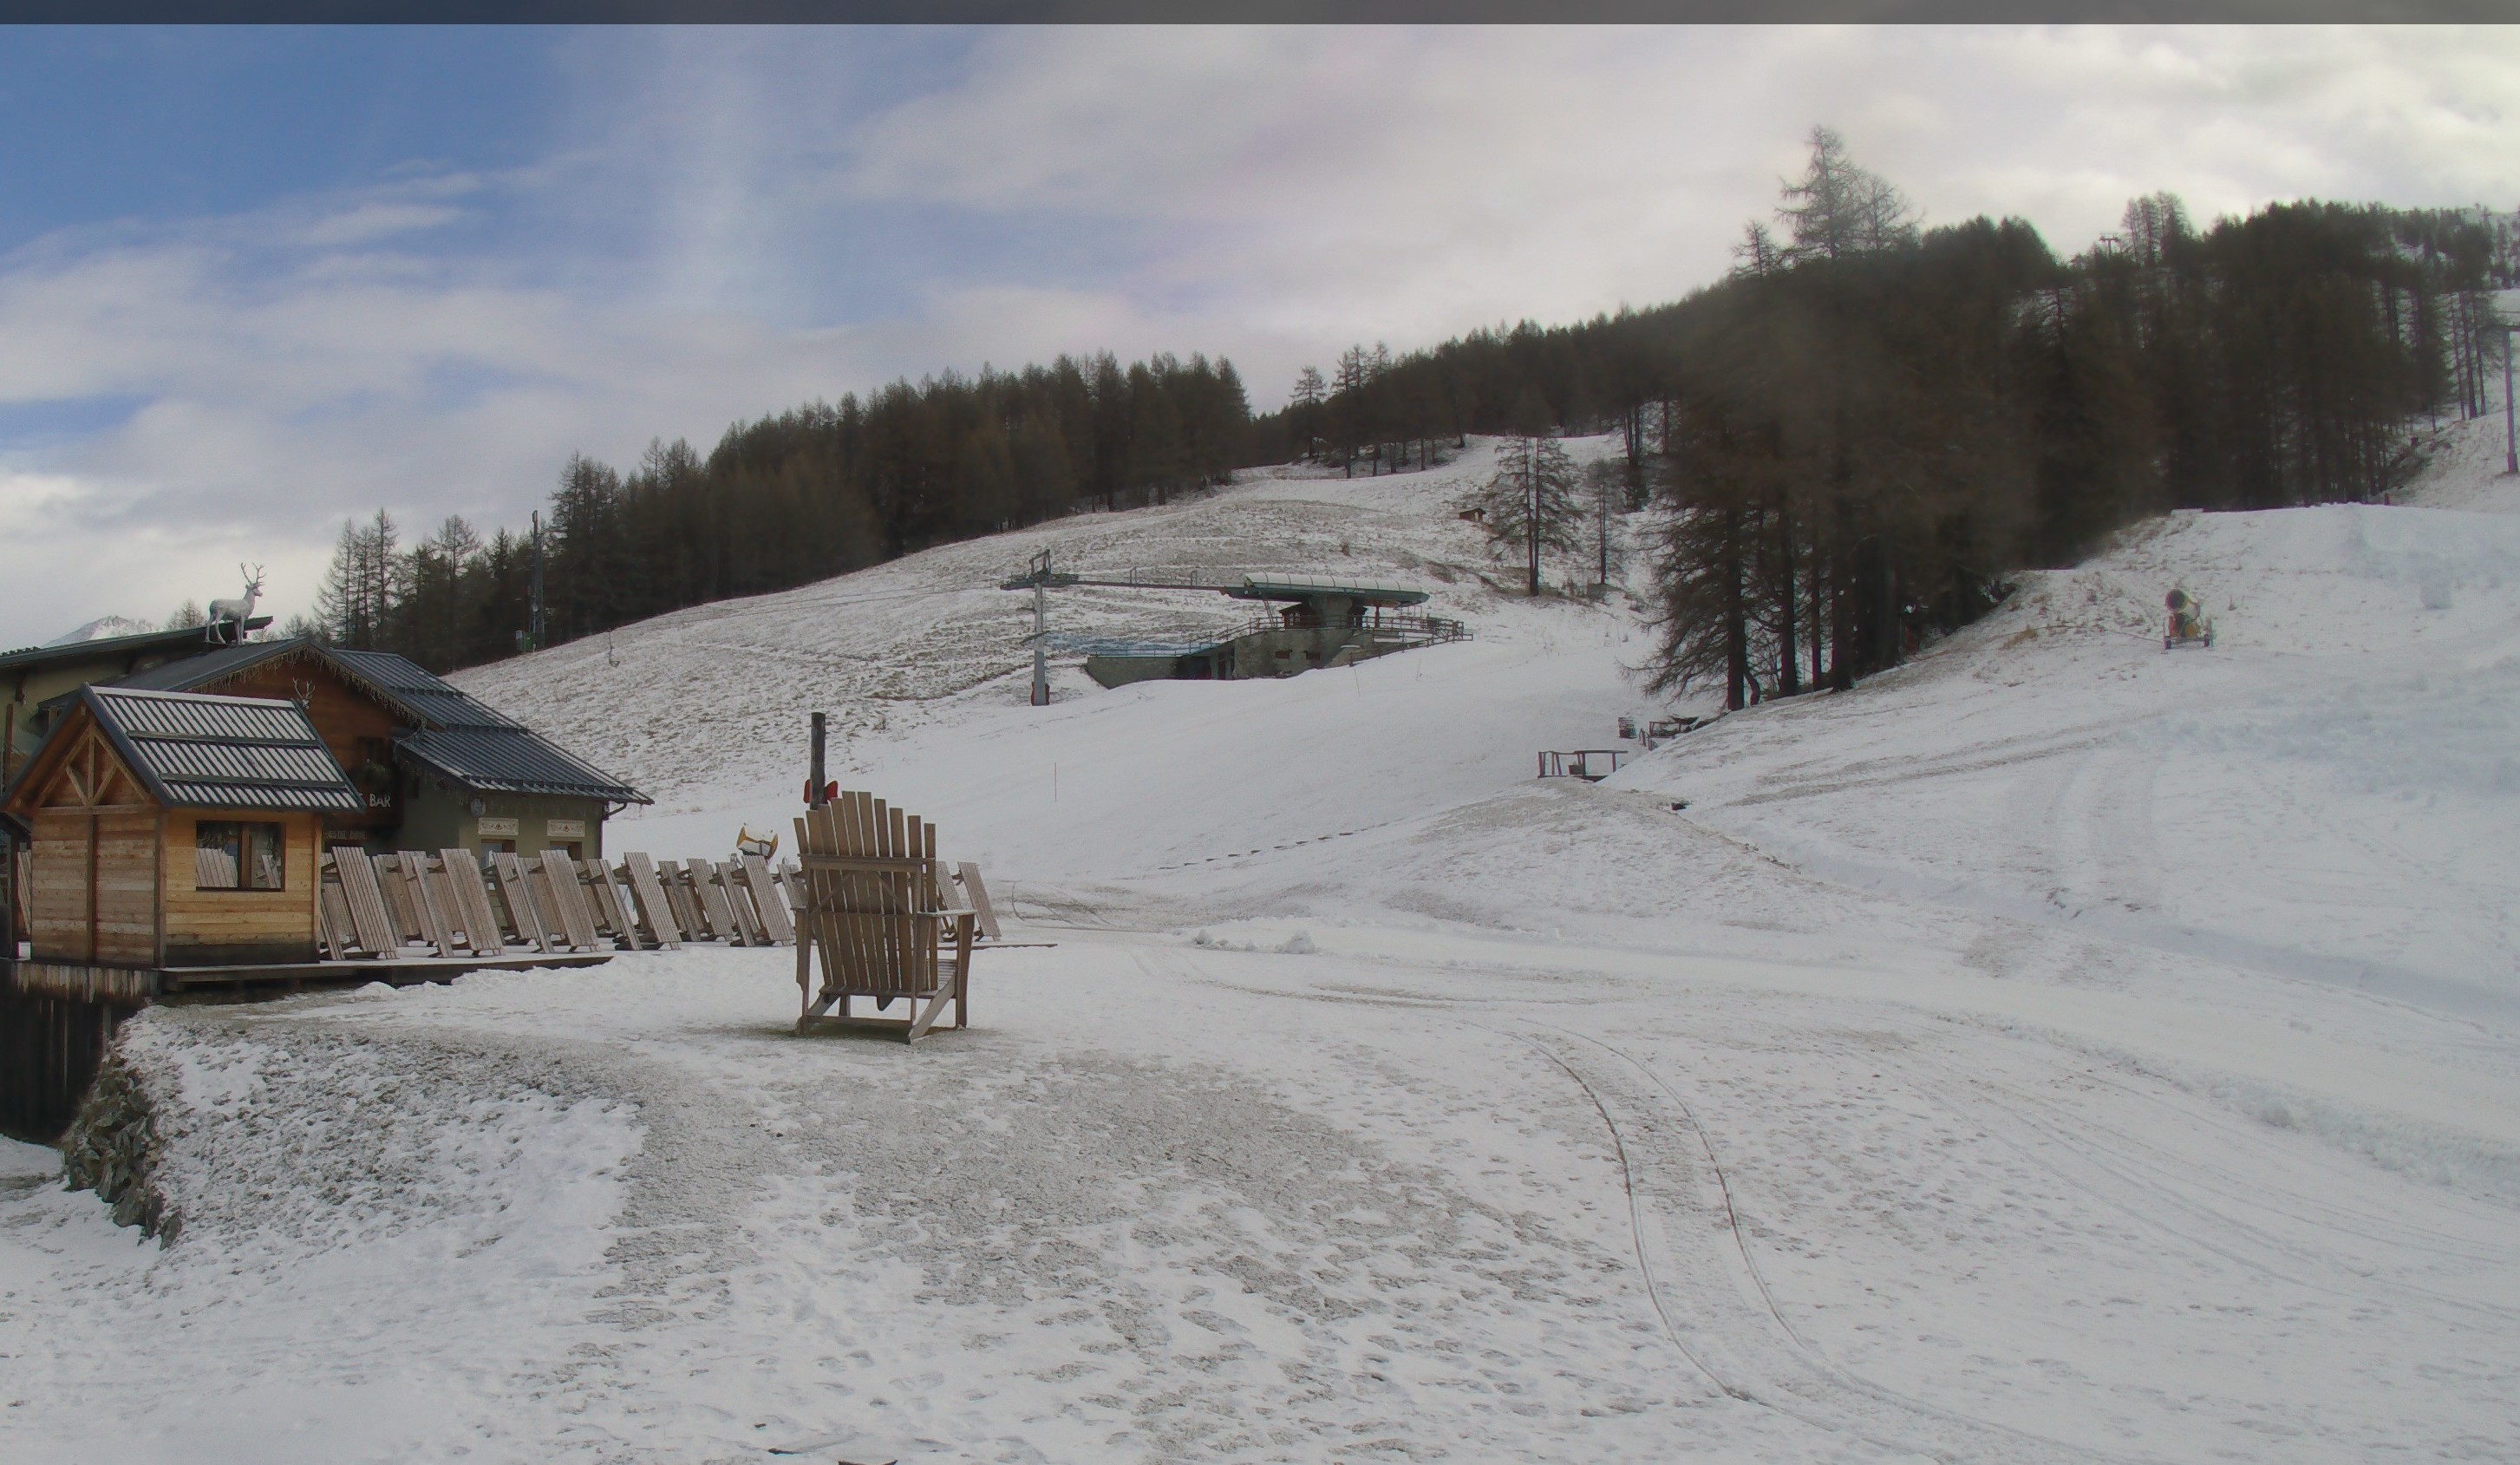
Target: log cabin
173,830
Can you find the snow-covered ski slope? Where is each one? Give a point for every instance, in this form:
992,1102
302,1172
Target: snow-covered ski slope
2057,1050
2327,795
713,702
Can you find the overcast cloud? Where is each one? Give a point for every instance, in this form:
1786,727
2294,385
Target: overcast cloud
658,233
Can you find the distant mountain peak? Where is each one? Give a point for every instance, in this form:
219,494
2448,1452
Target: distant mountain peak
103,628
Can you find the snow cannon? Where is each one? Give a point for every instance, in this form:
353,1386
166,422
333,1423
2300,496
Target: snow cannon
2188,625
748,843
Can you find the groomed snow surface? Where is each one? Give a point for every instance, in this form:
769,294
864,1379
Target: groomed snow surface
2058,1050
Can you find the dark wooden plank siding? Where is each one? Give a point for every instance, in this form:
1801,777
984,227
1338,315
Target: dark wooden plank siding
49,1051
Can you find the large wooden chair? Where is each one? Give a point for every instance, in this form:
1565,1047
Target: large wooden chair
876,910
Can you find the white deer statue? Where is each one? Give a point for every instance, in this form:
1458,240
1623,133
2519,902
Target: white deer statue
235,612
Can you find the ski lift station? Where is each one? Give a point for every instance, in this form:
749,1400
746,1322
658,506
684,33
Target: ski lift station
1310,621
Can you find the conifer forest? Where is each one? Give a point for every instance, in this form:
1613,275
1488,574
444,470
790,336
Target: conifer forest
1850,442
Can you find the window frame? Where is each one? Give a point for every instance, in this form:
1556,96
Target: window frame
244,855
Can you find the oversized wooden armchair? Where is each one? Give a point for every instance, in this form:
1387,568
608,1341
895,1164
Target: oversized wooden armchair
876,911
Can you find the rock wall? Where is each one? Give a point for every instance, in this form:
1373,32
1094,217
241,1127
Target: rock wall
112,1149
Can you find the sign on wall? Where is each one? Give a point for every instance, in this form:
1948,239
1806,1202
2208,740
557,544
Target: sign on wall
565,829
498,829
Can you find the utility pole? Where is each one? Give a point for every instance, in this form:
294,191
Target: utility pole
535,628
1041,631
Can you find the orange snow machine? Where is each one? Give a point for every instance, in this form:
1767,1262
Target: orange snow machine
2187,625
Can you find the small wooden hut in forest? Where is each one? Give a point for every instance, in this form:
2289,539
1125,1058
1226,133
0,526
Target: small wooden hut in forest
174,830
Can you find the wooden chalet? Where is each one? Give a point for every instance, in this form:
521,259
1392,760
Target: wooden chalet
170,830
34,675
435,768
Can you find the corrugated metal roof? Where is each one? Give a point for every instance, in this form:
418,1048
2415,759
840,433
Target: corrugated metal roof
432,699
196,751
457,738
176,639
511,759
1307,586
181,715
210,667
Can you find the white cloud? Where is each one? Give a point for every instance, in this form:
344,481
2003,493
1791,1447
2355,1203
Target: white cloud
366,222
735,221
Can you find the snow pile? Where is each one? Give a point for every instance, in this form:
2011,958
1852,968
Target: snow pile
373,1233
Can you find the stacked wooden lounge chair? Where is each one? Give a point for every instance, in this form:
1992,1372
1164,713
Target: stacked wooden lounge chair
879,910
415,904
445,905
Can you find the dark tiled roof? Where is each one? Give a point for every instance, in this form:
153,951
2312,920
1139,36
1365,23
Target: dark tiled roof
195,751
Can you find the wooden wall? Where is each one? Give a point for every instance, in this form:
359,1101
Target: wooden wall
354,726
95,886
210,928
11,922
49,1051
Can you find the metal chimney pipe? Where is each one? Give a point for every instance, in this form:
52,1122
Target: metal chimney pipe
814,783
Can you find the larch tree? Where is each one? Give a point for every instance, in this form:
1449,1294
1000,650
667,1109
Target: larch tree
1531,502
1305,404
1605,496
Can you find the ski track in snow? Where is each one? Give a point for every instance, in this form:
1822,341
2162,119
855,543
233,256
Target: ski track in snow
2056,1050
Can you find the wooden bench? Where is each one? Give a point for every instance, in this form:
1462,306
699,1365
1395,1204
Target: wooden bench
876,910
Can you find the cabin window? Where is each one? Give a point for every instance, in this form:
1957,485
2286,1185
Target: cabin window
228,855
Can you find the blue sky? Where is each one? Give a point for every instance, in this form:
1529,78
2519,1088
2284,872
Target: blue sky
135,124
253,281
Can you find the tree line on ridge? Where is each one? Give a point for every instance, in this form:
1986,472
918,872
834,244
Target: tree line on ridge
1853,437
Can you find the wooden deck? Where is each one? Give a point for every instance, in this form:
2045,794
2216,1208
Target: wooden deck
96,983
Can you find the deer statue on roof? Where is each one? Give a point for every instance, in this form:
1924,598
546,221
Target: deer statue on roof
237,613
